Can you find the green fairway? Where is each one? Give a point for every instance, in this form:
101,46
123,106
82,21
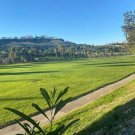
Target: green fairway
20,83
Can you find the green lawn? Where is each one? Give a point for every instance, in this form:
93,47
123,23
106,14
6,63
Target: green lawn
20,83
108,115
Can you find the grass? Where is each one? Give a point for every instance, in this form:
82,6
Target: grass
20,83
107,115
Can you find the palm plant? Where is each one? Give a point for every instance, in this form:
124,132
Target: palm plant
55,103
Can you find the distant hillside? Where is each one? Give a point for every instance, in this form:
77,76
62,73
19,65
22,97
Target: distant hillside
41,42
31,49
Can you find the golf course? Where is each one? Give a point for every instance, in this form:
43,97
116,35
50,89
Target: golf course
20,83
67,67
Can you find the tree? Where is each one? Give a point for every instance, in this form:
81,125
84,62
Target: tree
56,51
61,50
129,29
71,52
12,55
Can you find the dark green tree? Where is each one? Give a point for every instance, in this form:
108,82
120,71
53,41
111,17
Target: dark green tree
129,29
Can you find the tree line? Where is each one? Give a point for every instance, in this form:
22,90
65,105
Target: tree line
23,54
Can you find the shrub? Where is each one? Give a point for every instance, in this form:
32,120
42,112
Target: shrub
55,104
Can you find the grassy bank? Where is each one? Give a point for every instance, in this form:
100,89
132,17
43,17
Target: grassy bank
109,114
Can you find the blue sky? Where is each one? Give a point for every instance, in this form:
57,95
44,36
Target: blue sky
80,21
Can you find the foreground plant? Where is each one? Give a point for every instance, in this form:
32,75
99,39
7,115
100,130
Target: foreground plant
55,104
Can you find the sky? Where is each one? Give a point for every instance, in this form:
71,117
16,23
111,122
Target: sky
79,21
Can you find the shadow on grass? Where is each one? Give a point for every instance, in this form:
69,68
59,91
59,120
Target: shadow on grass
20,80
111,121
118,65
19,99
127,63
15,66
25,73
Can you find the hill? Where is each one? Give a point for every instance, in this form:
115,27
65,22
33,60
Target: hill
41,42
38,49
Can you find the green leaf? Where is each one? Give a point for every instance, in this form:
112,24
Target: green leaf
54,92
58,130
40,110
59,106
46,96
27,125
62,93
24,127
25,117
65,91
68,126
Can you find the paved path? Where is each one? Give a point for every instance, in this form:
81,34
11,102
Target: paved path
71,106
